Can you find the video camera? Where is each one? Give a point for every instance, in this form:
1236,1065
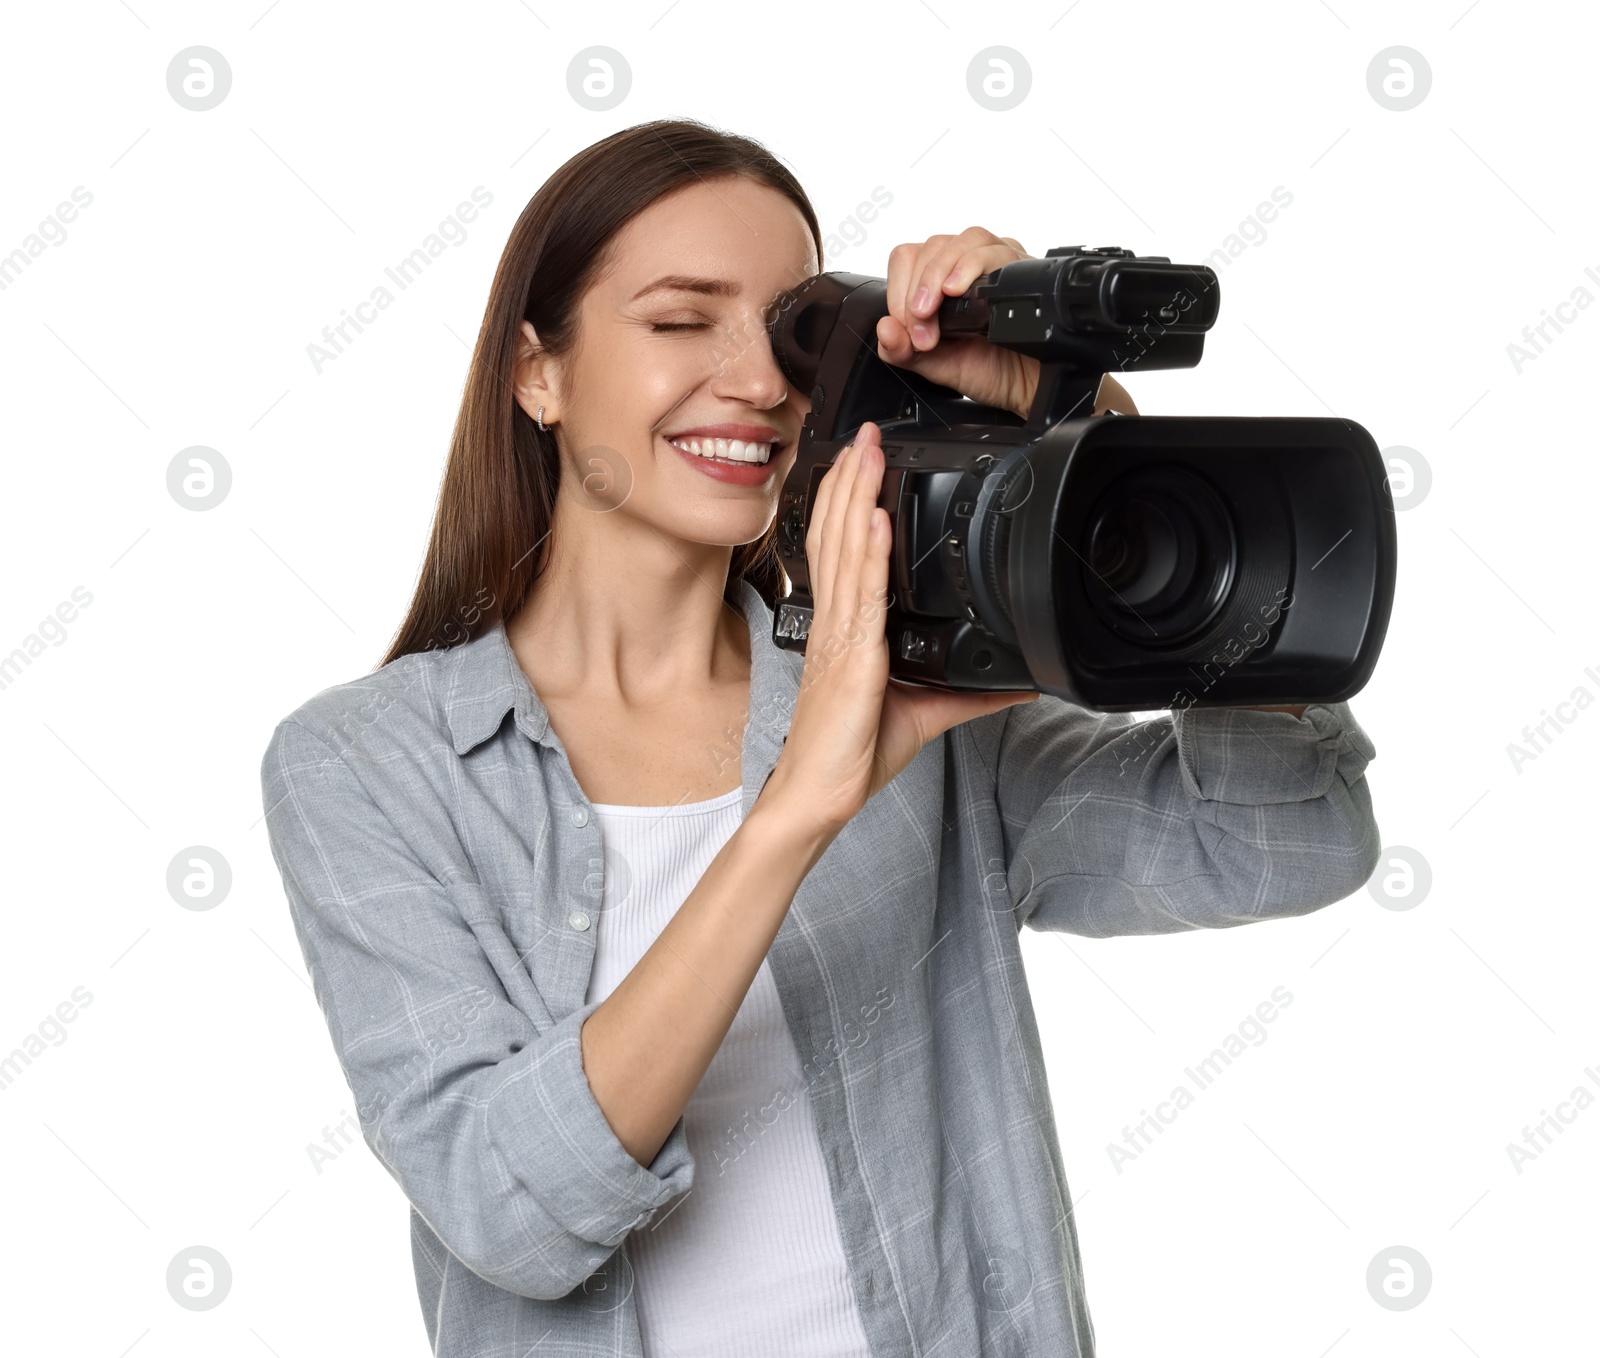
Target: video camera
1121,562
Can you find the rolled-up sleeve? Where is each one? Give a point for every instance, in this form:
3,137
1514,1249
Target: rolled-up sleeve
486,1121
1205,818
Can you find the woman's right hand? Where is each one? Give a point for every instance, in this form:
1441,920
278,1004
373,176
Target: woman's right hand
854,729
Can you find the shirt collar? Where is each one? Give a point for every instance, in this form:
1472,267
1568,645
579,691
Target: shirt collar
484,682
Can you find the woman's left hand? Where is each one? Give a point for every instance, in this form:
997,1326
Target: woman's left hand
920,278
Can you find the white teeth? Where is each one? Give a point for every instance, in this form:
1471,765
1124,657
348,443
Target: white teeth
730,450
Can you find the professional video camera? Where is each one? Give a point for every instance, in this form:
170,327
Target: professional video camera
1122,562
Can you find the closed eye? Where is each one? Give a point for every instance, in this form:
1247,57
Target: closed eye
681,325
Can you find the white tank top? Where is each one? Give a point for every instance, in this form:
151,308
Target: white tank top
750,1260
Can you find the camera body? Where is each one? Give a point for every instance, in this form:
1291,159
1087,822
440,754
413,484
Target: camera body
1122,562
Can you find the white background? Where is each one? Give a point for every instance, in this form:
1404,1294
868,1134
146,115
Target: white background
177,311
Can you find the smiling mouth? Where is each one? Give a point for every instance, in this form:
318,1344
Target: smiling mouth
725,450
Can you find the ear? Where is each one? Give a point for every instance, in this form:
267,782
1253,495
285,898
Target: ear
535,376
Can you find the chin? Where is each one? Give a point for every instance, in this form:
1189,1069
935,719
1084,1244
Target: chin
723,529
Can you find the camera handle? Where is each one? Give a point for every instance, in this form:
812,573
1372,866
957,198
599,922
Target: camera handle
1065,391
1067,387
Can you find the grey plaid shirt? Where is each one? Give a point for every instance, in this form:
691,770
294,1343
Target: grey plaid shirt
443,870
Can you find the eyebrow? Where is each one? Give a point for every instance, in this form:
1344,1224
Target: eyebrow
677,282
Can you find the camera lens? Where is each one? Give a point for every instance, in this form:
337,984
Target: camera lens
1159,555
1134,549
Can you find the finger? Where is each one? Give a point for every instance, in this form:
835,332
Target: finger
894,342
875,574
969,266
819,516
818,540
956,266
953,269
862,546
830,532
935,265
857,518
835,528
902,263
906,265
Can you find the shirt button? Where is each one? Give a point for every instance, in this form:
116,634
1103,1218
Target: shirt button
578,920
580,815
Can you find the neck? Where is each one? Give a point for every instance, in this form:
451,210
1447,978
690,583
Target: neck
625,613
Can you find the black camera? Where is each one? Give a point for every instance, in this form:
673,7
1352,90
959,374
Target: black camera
1121,562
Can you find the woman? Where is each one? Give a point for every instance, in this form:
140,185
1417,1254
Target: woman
687,1006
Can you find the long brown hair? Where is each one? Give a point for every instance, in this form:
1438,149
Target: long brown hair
490,528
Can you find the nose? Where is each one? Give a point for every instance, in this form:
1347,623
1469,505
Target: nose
747,370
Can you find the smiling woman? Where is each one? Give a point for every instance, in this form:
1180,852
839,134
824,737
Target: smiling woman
694,341
758,1071
725,228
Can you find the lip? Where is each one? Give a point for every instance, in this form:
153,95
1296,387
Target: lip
730,473
748,433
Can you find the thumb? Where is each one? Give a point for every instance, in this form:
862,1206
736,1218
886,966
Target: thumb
894,346
981,704
939,709
966,363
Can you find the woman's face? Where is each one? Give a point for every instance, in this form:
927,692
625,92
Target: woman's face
672,339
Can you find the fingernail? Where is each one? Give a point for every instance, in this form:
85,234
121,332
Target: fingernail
921,335
921,300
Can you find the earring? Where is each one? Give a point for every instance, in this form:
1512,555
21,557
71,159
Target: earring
540,417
